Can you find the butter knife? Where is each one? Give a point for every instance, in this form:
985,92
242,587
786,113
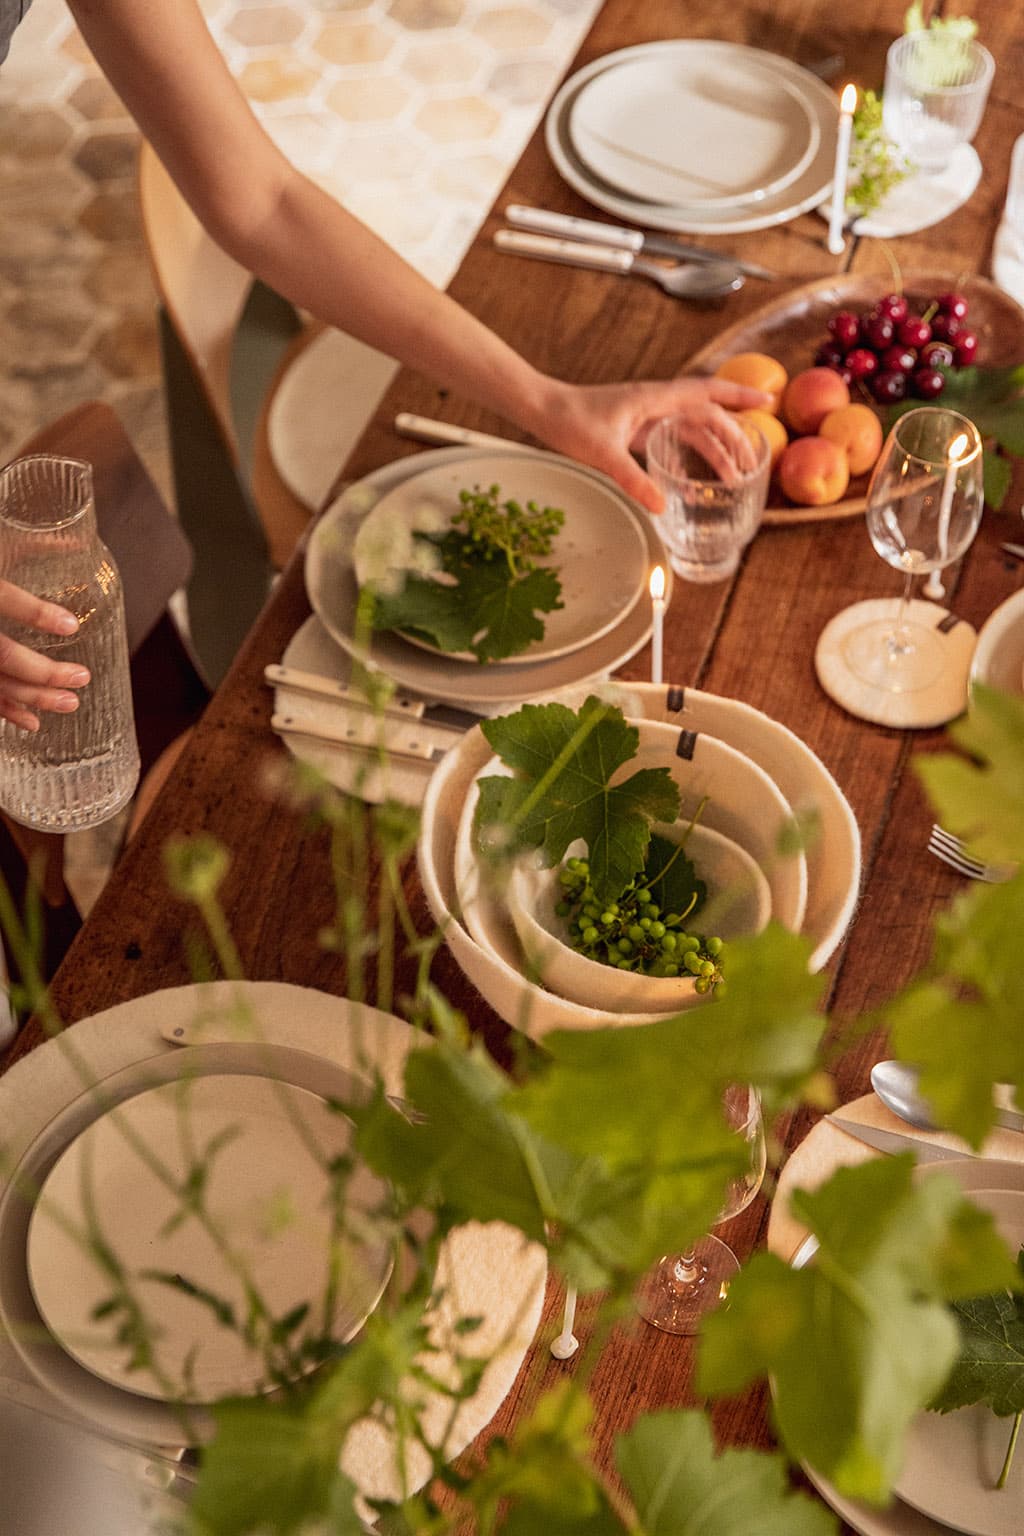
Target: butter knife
544,222
895,1141
1017,550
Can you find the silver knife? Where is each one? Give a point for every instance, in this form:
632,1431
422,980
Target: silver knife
895,1141
543,222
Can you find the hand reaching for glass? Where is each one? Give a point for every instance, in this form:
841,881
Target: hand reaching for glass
29,681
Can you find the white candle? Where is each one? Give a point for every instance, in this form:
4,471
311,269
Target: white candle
658,633
957,449
847,105
566,1345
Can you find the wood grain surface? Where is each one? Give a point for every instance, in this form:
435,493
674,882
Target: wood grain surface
752,637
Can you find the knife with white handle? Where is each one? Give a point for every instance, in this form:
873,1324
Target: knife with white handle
360,732
572,253
895,1141
542,221
313,685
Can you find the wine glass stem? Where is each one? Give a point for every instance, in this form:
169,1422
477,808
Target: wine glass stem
899,641
686,1269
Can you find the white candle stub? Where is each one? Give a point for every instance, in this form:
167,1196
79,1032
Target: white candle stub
566,1345
837,216
658,632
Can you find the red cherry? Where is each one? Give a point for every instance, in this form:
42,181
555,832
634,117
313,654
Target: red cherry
928,383
844,328
966,349
898,360
829,355
937,354
953,304
914,332
860,363
894,306
887,388
879,331
946,327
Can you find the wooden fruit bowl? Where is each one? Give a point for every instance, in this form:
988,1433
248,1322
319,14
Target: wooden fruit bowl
793,327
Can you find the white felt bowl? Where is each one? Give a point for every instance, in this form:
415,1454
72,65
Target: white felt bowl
739,902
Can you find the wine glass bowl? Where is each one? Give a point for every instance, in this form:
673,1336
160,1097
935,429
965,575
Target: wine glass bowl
924,504
684,1287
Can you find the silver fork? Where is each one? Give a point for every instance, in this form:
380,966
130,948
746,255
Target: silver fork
952,852
708,280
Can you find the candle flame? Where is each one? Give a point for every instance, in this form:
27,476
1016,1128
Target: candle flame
958,447
848,100
657,584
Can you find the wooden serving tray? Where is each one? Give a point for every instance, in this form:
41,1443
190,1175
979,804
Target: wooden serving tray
793,327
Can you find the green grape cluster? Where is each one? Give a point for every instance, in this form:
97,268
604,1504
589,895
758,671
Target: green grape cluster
504,529
633,934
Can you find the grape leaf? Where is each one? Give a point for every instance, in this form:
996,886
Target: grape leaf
997,476
859,1342
565,760
681,1488
990,1367
672,879
983,801
485,610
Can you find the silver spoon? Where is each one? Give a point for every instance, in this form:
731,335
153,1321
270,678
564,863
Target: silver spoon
708,280
896,1086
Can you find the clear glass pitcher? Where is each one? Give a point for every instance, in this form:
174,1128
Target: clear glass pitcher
78,769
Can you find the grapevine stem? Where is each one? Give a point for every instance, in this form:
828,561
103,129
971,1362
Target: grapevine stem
1008,1460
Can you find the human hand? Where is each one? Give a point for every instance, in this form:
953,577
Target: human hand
600,424
30,682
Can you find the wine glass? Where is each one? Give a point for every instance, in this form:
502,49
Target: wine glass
924,505
684,1286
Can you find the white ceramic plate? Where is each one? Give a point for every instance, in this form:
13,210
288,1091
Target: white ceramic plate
333,595
600,553
695,128
975,1175
801,195
999,654
277,1143
130,1414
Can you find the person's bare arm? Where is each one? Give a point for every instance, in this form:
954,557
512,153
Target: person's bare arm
164,64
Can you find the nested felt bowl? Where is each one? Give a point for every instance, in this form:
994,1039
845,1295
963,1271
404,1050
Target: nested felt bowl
739,902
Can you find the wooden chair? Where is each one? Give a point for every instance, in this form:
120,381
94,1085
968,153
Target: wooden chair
168,690
222,336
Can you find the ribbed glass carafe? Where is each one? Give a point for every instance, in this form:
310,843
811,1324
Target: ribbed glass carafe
78,769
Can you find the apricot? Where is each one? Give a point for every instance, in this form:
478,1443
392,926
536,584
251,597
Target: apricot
772,429
809,396
758,371
857,429
814,471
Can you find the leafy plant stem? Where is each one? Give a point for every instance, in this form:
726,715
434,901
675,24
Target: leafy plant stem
1008,1459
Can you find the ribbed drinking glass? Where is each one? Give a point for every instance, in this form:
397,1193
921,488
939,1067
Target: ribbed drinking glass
78,769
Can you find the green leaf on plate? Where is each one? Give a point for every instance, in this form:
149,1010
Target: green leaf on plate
482,608
990,1367
860,1341
681,1488
564,761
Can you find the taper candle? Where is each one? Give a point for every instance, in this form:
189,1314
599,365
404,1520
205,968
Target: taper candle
847,106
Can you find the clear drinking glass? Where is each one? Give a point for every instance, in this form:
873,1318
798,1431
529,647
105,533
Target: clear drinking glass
924,505
935,91
78,769
684,1286
707,522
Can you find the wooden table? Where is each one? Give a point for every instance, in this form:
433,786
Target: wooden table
753,637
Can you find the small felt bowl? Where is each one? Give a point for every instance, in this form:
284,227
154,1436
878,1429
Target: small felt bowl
739,902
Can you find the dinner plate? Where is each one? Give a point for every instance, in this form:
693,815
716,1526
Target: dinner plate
998,658
801,195
697,128
600,554
269,1197
130,1414
333,594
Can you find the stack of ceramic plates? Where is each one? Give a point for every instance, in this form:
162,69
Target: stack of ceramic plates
603,554
84,1178
696,136
756,774
999,654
